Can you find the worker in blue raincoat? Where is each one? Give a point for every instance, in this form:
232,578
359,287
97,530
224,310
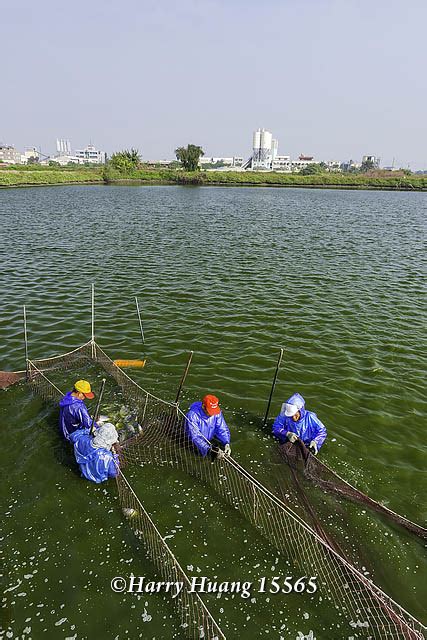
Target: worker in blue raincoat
96,455
294,421
205,422
73,413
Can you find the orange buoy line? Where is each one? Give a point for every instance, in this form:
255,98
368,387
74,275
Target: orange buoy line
130,363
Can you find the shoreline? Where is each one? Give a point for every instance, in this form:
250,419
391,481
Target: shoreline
169,183
41,177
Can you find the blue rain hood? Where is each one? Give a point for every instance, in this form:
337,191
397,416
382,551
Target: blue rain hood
96,465
201,428
73,415
307,428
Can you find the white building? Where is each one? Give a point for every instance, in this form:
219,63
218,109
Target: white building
281,163
65,156
30,154
265,157
90,154
371,160
334,166
9,155
302,162
350,165
234,161
63,160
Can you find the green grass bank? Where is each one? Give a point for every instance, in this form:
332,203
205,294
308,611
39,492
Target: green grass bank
28,176
23,177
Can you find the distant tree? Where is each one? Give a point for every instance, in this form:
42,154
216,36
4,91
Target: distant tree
125,160
190,156
312,169
215,165
32,160
52,163
367,165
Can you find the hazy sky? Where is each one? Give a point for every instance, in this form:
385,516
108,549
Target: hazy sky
333,78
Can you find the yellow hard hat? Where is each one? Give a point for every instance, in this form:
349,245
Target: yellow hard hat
83,386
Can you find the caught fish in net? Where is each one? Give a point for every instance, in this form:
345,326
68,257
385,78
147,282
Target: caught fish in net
196,620
124,419
163,441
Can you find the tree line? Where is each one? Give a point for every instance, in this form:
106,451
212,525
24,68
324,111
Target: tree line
130,159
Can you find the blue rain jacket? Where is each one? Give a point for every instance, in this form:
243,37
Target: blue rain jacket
201,427
307,428
95,464
73,415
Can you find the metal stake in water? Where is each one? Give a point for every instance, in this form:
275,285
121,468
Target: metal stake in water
95,415
276,373
140,321
93,321
26,343
184,375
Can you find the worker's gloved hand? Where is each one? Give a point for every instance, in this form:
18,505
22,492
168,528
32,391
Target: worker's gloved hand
292,437
227,450
313,448
216,453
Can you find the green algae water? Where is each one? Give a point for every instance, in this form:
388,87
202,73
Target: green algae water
337,278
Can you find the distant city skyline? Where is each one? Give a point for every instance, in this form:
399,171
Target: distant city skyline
64,147
334,80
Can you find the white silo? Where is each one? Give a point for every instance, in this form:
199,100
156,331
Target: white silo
262,154
274,149
256,139
266,139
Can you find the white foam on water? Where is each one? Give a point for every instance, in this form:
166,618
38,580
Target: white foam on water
61,621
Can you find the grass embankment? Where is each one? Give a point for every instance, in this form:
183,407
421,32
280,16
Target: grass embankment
44,176
248,178
23,176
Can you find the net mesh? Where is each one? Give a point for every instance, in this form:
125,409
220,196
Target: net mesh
299,458
196,620
10,377
163,440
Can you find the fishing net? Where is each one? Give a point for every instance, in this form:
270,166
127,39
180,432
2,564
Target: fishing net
9,377
196,620
300,459
163,441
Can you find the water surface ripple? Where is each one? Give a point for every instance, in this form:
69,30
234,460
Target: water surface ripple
335,277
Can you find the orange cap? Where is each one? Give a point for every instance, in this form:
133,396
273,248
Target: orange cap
211,405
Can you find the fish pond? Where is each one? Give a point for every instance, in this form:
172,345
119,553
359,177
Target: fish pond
336,278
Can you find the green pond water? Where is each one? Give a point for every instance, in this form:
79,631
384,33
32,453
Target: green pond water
336,278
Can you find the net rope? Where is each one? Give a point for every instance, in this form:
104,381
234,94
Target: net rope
164,441
196,620
298,456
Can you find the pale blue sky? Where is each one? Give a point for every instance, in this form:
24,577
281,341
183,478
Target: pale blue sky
333,78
